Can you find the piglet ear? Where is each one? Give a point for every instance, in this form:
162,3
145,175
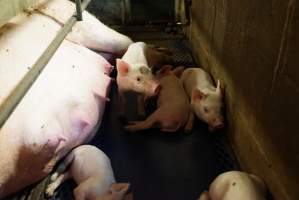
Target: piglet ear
129,196
219,90
165,69
178,71
197,95
218,87
119,190
122,67
165,50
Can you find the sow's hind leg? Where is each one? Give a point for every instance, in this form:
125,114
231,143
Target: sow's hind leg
204,196
55,184
56,141
90,32
62,174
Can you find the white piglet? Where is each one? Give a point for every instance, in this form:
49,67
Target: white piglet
235,185
92,172
134,74
206,99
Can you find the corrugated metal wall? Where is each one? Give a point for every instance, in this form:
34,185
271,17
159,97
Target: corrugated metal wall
252,46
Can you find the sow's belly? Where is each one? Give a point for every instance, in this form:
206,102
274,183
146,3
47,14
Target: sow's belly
59,112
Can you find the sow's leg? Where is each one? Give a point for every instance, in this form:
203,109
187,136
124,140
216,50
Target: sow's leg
90,32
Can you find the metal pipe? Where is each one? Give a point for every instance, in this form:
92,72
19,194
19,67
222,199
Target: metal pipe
78,9
127,17
19,92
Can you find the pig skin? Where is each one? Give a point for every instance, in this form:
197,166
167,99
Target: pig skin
134,74
235,185
17,53
173,110
90,32
58,113
206,100
94,180
65,104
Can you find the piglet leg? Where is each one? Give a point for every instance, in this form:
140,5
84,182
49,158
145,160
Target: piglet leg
189,124
79,192
150,122
204,196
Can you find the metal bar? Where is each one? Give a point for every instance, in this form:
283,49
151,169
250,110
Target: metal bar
19,92
127,16
79,10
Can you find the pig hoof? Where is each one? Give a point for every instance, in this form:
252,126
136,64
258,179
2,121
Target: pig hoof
49,191
54,177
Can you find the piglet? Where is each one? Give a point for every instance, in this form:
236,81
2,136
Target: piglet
92,172
206,100
134,74
172,105
235,185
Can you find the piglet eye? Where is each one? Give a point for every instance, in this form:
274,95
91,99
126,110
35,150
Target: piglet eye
205,109
138,79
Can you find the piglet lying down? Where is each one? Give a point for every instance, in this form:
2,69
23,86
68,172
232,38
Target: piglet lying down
235,185
92,171
173,105
206,100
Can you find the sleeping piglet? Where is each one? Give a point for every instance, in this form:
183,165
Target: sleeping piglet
92,172
235,185
206,99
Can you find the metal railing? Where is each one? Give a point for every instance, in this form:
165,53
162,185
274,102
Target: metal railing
12,101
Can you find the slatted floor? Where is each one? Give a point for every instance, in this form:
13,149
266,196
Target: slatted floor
158,165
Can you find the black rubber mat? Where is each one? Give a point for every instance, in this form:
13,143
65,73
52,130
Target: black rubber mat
160,165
